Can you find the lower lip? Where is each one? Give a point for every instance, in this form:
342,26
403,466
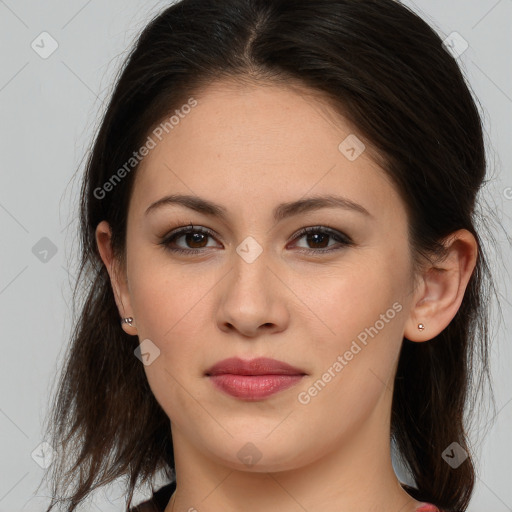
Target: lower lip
253,387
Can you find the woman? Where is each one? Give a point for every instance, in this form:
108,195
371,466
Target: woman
277,222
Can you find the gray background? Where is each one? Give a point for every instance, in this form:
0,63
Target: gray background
49,109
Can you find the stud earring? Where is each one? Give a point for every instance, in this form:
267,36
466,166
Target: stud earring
421,327
128,320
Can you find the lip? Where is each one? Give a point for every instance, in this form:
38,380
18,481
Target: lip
254,379
258,366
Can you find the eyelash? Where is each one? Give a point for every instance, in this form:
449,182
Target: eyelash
341,238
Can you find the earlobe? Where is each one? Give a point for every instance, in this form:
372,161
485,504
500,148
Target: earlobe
443,287
118,282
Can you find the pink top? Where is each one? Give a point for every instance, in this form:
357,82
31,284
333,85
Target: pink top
427,507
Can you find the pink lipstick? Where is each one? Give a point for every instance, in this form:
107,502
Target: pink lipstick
254,379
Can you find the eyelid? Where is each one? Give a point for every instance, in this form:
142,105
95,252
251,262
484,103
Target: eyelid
185,229
321,227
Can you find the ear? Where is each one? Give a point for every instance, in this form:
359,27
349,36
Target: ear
117,275
441,290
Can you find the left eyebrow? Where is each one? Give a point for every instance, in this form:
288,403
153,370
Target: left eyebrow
282,211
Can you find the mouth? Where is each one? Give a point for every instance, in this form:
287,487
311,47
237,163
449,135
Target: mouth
255,379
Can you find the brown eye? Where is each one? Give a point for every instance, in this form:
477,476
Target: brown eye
195,239
318,238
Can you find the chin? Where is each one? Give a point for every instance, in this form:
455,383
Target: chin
260,455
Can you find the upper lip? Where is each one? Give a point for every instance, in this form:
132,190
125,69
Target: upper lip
258,366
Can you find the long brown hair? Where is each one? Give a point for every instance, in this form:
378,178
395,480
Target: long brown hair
387,72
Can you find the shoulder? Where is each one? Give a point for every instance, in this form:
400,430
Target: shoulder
158,501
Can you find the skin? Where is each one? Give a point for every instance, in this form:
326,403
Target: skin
250,148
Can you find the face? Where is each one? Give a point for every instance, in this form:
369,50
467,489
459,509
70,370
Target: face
247,284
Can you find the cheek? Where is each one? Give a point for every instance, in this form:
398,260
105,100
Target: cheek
168,311
169,305
353,299
361,334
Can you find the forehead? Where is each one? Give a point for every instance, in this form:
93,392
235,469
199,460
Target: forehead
251,142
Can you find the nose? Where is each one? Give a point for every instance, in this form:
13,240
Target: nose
253,299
